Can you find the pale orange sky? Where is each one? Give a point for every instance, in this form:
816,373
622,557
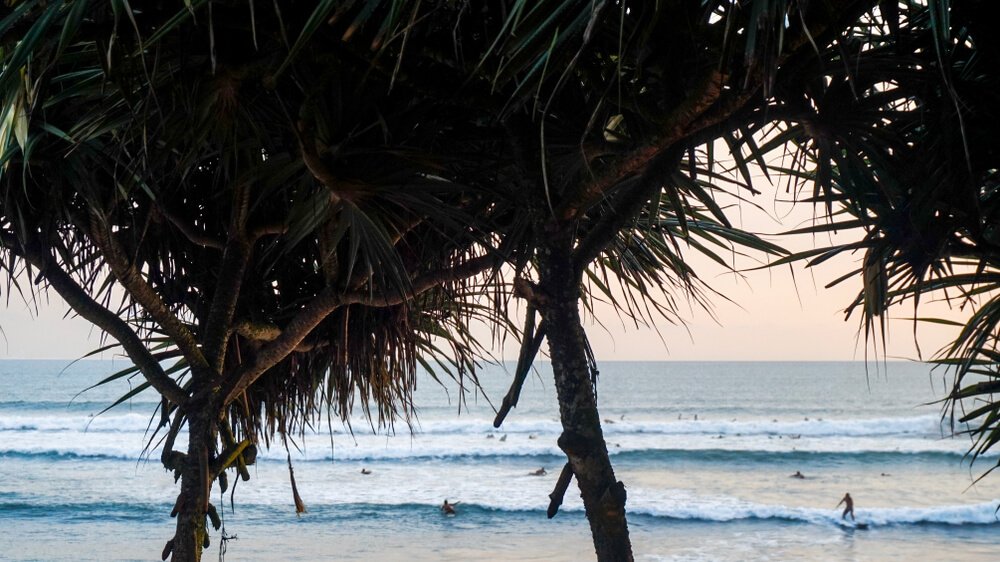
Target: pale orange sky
772,316
768,321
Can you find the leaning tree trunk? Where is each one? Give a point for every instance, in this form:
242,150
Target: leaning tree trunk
582,439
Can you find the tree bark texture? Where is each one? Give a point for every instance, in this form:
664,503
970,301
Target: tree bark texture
582,439
191,536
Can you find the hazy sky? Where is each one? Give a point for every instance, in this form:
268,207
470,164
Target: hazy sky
772,315
767,322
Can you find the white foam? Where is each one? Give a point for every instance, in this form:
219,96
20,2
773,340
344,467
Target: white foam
120,440
731,509
106,444
111,422
510,488
812,427
124,434
930,425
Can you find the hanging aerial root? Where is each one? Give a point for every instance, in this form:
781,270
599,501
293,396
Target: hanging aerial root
175,461
531,342
167,549
245,455
171,459
300,506
230,456
213,515
559,492
204,476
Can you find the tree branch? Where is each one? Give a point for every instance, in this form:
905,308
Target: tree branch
227,293
423,283
98,315
638,160
257,331
267,332
330,300
218,325
319,170
131,279
626,207
708,107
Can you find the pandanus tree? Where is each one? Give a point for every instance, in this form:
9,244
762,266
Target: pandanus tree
898,142
274,209
254,212
292,202
613,113
886,110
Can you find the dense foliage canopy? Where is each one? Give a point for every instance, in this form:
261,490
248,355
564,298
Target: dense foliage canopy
276,208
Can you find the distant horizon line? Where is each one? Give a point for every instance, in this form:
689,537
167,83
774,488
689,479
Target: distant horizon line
600,361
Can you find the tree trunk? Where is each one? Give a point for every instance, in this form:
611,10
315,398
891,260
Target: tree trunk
582,439
191,536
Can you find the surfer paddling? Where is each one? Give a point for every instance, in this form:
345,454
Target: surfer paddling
848,506
448,508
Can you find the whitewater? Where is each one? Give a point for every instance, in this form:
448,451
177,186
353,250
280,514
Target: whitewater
706,451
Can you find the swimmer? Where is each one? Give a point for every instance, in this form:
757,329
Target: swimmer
448,508
539,472
365,471
799,475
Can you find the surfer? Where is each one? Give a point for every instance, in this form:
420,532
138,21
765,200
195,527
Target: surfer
365,471
798,474
539,472
448,508
848,506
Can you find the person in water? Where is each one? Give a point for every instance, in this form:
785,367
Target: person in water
539,472
848,506
448,508
798,474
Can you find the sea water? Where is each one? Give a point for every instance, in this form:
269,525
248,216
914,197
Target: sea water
706,451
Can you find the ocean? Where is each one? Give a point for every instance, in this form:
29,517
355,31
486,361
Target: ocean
706,451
